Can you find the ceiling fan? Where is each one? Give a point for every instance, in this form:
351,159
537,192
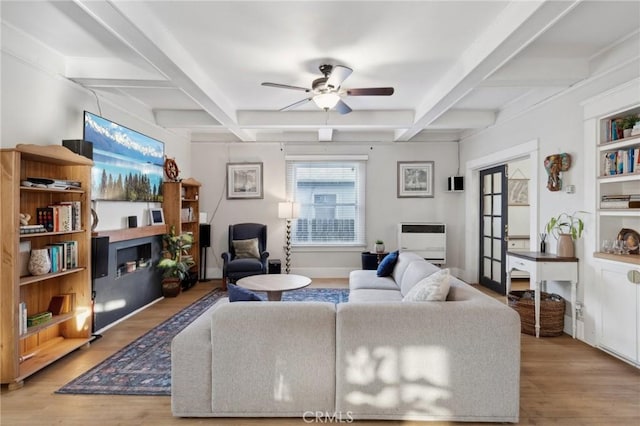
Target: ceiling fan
327,92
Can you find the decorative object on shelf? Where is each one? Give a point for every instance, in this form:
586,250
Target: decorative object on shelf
39,262
24,219
94,220
288,210
631,238
566,228
415,179
156,216
543,242
628,124
171,168
244,181
176,263
379,247
554,164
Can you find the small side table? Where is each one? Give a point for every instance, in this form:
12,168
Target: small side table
543,267
370,261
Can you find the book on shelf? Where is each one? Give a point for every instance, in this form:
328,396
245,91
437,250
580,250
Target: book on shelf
63,217
62,304
620,201
32,229
622,161
22,318
40,318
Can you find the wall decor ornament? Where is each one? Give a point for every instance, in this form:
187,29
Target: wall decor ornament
415,179
554,164
244,181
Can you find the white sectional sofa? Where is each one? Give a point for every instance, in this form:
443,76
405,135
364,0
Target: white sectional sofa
375,357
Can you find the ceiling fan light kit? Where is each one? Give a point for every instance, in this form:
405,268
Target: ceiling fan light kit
326,101
327,91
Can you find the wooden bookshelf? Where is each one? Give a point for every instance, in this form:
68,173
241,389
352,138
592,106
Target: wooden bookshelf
41,345
178,198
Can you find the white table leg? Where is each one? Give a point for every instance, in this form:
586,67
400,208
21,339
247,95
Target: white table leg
537,307
508,283
574,285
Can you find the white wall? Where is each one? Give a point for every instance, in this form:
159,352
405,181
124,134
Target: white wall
41,107
383,209
557,126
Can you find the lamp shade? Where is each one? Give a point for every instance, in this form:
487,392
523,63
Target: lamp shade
326,101
288,210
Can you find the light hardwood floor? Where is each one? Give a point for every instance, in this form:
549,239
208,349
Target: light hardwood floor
563,382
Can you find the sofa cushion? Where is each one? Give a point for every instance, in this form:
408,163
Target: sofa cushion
246,249
371,295
239,294
404,259
385,268
433,288
363,278
414,273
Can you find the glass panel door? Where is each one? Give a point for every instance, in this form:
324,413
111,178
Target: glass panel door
493,228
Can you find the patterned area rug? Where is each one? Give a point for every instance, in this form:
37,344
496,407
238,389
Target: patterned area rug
144,366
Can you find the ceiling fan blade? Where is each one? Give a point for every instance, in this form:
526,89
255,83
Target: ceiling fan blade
338,74
371,91
296,104
285,86
342,108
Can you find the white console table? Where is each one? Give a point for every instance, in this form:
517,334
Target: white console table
543,267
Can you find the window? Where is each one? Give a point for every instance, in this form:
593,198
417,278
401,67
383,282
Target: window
330,191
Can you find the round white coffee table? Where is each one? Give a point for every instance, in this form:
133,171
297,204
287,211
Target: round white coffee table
273,284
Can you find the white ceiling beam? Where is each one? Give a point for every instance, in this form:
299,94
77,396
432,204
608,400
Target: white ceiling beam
134,28
539,72
107,69
464,119
101,83
261,119
516,27
184,118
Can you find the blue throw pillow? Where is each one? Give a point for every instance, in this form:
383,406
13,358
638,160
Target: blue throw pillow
385,268
239,294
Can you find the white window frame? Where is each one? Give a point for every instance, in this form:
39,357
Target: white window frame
359,224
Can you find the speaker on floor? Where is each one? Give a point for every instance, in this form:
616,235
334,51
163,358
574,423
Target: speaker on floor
205,235
79,146
99,257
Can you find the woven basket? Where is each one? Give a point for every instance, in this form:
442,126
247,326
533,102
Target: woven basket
551,312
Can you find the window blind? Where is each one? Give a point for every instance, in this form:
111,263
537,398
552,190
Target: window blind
331,194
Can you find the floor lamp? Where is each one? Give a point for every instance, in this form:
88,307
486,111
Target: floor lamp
289,211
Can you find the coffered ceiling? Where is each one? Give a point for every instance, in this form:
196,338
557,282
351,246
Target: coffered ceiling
456,66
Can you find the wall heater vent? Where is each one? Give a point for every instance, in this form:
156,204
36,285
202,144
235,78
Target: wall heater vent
428,240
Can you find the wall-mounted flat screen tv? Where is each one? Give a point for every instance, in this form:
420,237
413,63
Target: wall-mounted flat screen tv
127,165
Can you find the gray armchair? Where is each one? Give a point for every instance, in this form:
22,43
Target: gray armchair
235,267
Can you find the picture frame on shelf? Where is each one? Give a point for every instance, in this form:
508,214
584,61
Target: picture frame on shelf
518,194
415,179
156,216
244,181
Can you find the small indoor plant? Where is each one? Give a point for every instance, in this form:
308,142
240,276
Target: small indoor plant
627,124
379,247
566,228
176,261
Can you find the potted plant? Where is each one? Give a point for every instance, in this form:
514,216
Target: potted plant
176,262
627,124
379,247
566,228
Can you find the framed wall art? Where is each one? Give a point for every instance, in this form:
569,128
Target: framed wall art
518,192
415,179
244,181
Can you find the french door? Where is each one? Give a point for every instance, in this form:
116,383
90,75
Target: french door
493,228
